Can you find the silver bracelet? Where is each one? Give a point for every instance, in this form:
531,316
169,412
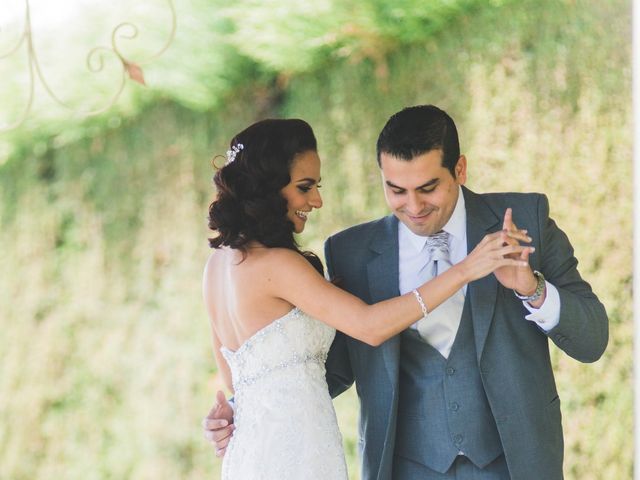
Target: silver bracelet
425,312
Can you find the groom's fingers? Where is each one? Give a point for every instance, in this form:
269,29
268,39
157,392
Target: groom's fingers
222,408
221,444
214,423
508,239
519,235
507,223
220,452
217,427
219,436
514,251
223,435
221,399
506,236
217,431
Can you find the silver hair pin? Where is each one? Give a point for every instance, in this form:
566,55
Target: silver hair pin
231,154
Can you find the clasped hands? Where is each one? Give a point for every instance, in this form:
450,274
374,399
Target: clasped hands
502,254
517,277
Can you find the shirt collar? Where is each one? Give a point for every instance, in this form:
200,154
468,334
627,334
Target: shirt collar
456,226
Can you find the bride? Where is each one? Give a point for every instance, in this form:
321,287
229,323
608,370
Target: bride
273,315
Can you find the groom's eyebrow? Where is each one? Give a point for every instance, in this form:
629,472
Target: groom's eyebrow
431,182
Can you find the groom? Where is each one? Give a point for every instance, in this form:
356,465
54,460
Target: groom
468,392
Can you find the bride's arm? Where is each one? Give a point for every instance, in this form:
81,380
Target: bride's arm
207,289
294,280
223,366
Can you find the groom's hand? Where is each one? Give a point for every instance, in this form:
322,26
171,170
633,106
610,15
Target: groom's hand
218,424
520,279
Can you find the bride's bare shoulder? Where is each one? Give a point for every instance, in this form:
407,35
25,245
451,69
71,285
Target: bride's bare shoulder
217,262
213,259
255,262
282,257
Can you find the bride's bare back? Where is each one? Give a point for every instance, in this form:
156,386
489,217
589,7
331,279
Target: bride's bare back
238,294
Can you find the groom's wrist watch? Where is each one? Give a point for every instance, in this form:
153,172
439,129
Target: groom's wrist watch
539,289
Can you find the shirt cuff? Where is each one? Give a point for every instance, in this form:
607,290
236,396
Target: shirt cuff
548,315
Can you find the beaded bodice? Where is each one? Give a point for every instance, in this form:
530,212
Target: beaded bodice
285,423
292,340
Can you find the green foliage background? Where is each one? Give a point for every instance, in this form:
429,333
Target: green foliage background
106,359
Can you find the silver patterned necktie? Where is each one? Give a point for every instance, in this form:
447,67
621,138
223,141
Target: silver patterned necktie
440,326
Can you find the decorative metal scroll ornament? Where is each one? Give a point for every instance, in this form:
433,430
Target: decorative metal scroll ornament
95,64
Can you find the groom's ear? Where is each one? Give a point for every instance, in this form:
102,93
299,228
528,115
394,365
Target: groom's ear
461,170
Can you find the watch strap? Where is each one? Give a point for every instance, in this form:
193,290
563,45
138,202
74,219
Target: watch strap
539,289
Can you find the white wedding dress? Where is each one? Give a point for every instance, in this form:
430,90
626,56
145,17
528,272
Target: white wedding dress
286,427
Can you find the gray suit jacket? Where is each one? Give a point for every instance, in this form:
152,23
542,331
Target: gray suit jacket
513,353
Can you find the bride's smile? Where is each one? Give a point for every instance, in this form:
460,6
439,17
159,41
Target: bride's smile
302,193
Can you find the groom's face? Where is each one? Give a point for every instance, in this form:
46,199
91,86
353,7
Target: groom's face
421,192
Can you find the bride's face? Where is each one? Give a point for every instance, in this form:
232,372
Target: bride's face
302,192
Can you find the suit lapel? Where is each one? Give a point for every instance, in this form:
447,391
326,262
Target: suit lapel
383,280
481,220
382,273
382,269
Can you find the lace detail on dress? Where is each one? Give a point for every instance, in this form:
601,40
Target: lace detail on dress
286,426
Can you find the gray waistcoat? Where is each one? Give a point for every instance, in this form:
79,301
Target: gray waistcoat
443,409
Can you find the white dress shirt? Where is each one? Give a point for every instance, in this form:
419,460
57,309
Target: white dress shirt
413,256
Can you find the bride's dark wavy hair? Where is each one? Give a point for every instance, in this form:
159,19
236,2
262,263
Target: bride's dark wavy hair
249,205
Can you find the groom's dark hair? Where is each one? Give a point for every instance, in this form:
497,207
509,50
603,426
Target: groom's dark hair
417,130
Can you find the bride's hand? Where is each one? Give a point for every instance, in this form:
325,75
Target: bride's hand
218,424
494,252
